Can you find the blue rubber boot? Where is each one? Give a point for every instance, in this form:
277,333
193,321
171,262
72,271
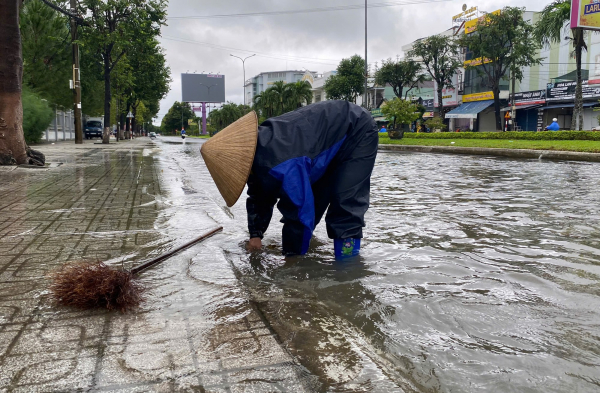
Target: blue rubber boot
346,248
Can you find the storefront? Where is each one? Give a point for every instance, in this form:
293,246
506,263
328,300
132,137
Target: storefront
527,107
473,116
560,98
378,117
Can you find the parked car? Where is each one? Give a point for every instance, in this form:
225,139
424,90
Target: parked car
93,128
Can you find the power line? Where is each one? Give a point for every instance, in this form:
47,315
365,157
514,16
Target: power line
259,54
310,10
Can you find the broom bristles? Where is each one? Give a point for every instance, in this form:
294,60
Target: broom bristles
95,285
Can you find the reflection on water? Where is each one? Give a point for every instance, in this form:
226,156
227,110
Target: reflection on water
477,274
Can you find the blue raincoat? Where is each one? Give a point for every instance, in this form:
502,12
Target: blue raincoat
316,158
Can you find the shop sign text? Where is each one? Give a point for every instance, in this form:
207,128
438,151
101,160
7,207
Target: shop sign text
565,91
529,97
487,95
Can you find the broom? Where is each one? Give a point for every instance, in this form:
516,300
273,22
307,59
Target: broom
98,285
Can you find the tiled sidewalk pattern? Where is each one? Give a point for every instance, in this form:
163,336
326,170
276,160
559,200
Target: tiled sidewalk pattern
96,205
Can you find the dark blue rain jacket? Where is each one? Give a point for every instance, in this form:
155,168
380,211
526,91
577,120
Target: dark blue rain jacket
317,157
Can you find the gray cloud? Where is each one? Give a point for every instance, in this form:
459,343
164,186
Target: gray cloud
320,39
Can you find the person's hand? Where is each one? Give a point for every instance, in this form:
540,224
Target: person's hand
254,244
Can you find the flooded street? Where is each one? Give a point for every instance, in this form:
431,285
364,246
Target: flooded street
476,274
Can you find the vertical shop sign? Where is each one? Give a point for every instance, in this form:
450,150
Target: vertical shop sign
540,120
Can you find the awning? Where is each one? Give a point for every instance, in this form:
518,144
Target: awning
517,107
569,105
468,110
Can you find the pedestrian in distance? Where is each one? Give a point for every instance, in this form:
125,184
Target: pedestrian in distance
316,158
383,129
554,126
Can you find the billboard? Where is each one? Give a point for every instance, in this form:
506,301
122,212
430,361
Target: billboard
202,88
487,95
449,94
565,91
535,97
585,14
465,16
471,25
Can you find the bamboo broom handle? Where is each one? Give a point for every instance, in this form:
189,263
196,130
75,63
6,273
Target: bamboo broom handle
174,251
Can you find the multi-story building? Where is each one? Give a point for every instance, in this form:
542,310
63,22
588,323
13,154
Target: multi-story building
317,86
546,91
264,80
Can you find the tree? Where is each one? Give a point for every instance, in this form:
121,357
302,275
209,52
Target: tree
279,94
299,93
349,81
553,23
227,114
47,59
117,26
399,75
439,55
46,42
177,117
148,77
13,149
400,111
504,42
265,103
37,118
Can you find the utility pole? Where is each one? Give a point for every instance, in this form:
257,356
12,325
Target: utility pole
513,109
366,67
244,68
76,77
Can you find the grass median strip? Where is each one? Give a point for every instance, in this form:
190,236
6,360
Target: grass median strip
559,145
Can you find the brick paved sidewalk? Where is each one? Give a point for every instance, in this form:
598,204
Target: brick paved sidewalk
99,202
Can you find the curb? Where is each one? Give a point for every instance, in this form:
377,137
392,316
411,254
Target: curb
511,153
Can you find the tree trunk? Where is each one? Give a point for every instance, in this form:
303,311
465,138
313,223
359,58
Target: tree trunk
127,124
13,149
496,91
578,105
106,133
133,121
440,103
122,120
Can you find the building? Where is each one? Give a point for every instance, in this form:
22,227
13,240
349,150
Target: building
264,80
317,86
547,90
451,96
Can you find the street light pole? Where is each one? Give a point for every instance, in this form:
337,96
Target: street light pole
244,68
204,108
76,77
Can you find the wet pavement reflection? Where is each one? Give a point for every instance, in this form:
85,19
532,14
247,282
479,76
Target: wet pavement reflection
477,274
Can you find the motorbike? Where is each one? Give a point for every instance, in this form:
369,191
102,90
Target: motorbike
183,137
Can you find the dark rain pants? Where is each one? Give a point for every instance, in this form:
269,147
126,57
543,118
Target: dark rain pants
343,191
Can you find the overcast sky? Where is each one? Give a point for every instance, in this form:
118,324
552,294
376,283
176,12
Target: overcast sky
314,40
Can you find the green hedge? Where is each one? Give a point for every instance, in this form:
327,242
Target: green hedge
37,116
513,135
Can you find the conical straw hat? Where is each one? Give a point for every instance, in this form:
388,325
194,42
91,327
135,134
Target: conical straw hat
229,156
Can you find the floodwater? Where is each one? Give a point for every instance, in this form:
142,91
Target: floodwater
476,274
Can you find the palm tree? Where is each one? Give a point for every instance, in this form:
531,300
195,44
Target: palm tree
280,92
553,22
298,93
